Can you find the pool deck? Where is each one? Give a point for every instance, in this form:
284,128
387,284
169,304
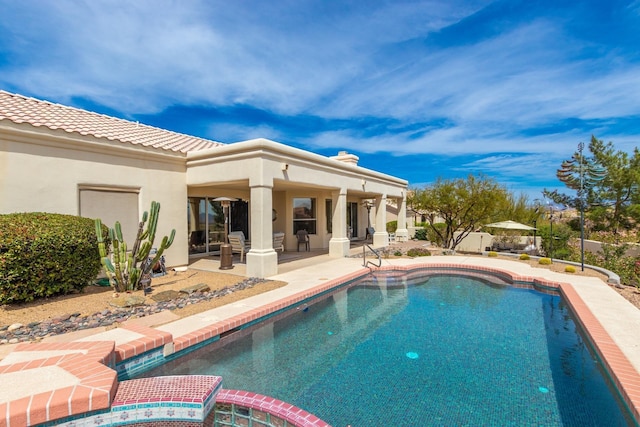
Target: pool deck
72,373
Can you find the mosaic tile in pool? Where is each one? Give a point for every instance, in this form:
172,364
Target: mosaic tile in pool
449,350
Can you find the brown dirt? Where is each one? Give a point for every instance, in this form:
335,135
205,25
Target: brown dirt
95,299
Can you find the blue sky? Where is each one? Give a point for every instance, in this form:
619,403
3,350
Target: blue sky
417,89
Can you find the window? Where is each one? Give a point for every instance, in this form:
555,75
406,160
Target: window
111,205
304,215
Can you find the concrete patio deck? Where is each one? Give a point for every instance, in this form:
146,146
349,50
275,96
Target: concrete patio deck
75,372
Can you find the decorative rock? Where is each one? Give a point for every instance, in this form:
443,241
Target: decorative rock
165,296
200,287
61,318
15,327
67,323
128,301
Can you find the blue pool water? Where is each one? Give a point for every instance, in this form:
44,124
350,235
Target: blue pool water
448,350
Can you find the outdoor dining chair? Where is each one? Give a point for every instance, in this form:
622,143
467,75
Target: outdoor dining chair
303,239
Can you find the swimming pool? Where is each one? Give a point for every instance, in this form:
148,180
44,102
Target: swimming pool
439,350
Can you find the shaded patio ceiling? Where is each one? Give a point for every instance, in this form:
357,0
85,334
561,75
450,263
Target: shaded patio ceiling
279,185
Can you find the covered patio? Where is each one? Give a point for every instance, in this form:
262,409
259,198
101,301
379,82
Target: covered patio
287,189
289,260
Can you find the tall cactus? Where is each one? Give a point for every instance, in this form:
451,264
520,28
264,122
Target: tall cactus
129,267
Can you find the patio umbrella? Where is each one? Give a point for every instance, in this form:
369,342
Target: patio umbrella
510,225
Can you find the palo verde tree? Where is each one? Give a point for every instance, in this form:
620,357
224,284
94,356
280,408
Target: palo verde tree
461,204
518,208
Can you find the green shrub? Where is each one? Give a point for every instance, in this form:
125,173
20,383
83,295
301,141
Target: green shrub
569,269
545,261
492,254
384,252
43,255
525,257
421,234
433,236
392,226
416,252
562,233
614,258
397,253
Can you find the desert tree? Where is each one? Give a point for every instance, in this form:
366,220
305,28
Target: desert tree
463,205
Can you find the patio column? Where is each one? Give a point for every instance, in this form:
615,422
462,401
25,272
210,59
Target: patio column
339,243
262,260
402,234
381,237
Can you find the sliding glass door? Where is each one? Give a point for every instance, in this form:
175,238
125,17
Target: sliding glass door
205,222
352,219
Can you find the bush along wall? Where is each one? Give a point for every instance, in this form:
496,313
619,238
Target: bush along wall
44,254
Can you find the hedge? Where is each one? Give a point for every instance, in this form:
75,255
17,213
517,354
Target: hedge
44,254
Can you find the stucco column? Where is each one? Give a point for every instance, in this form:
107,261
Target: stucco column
381,237
402,234
262,260
339,243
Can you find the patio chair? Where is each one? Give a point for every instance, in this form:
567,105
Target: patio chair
239,244
278,241
303,239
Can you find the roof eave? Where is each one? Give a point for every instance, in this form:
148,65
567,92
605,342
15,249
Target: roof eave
263,147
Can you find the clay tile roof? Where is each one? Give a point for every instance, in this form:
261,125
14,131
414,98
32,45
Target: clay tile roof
22,109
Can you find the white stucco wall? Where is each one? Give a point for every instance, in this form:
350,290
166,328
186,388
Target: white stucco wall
43,171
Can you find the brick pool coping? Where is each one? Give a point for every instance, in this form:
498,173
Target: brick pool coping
286,411
93,362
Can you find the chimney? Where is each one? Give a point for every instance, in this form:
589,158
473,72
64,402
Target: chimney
345,157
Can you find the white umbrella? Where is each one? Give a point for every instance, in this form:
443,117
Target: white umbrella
510,225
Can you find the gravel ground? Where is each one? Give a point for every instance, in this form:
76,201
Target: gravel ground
95,306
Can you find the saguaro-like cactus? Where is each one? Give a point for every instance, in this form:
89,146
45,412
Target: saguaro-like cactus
129,268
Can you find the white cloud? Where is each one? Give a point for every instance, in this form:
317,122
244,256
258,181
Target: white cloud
335,60
229,133
142,56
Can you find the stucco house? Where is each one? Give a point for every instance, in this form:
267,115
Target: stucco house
55,158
